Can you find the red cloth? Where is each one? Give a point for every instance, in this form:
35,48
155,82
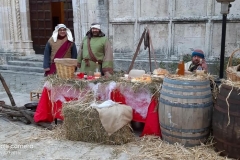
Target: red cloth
46,113
43,111
151,126
46,110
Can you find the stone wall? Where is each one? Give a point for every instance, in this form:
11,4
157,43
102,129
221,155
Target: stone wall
176,27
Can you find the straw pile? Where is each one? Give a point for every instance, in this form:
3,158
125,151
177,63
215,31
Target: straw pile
231,83
154,148
153,87
189,77
82,123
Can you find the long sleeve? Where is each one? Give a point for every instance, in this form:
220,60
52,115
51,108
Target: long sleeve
79,55
47,55
74,51
204,65
107,65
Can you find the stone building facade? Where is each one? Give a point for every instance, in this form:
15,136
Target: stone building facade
176,26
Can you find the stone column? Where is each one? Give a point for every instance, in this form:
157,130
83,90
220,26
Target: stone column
15,21
77,22
5,33
24,23
80,20
22,36
15,27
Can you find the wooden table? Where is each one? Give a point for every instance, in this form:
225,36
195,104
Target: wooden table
50,105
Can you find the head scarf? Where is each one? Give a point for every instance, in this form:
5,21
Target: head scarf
55,32
96,25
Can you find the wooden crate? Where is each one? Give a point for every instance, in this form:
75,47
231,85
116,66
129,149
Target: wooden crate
35,95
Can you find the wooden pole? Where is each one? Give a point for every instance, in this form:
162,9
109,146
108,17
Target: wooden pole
149,51
7,90
22,114
137,50
152,49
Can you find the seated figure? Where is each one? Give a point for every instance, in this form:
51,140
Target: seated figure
198,62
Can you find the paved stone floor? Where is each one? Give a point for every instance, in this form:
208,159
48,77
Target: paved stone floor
20,85
21,82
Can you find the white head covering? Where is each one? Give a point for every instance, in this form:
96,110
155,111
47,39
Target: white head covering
55,33
96,26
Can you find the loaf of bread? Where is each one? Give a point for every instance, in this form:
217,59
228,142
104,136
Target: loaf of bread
160,71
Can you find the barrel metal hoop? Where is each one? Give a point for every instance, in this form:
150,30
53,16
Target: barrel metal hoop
184,130
186,90
233,101
230,144
186,97
180,137
226,111
186,83
229,87
201,105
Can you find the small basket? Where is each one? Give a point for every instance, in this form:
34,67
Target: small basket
65,67
231,71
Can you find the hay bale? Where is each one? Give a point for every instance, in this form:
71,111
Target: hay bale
82,123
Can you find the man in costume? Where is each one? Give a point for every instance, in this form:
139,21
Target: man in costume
60,45
198,61
96,52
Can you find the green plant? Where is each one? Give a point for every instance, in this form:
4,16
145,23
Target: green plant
187,58
171,66
214,67
162,65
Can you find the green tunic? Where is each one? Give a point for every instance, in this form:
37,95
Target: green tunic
101,49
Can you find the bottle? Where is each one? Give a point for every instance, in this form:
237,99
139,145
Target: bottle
96,67
200,65
181,68
97,72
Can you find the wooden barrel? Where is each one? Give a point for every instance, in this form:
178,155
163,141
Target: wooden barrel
185,111
227,137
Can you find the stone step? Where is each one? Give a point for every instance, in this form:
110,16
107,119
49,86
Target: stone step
22,68
34,58
26,63
19,73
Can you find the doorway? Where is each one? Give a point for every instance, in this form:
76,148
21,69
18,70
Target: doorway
57,13
44,16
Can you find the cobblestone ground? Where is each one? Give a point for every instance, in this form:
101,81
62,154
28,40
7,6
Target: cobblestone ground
20,82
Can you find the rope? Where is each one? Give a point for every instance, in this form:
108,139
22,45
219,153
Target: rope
228,104
150,41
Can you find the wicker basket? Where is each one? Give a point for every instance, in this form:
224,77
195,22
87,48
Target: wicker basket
65,67
231,71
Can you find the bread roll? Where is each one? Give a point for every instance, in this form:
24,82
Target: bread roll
160,71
